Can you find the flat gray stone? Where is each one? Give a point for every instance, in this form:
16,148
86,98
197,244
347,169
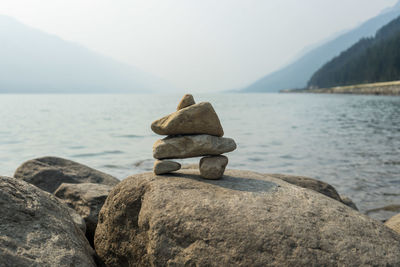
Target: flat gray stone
189,146
165,166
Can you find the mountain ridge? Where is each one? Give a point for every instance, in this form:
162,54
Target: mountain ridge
298,73
37,62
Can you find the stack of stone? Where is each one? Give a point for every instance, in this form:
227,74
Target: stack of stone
194,130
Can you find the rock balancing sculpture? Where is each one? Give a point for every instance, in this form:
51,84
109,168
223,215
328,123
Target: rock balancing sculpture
194,130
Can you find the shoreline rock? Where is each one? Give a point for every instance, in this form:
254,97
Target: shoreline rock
48,173
36,229
245,219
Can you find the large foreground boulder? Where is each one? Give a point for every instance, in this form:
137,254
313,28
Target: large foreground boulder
86,199
48,173
244,219
37,230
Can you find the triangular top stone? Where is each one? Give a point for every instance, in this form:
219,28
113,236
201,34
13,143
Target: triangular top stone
195,119
186,101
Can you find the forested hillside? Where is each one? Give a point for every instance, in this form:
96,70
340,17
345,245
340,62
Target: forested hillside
370,60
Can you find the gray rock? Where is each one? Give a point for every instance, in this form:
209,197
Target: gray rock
348,202
188,146
213,167
195,119
36,229
165,166
48,173
86,199
394,223
316,185
245,219
310,183
77,219
186,101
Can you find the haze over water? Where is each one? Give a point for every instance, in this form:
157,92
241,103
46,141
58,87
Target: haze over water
351,142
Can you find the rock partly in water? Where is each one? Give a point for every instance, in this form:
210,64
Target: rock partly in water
48,173
310,183
195,119
186,101
165,166
87,199
348,202
36,229
188,146
213,167
245,219
394,223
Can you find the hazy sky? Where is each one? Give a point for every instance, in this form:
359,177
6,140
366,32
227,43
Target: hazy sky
199,45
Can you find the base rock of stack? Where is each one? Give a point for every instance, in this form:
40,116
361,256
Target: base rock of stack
165,166
245,219
213,167
195,119
189,146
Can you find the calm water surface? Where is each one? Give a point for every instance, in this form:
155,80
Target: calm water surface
351,142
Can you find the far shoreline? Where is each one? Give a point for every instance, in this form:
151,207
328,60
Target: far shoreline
381,88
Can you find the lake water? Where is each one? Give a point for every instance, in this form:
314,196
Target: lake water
349,141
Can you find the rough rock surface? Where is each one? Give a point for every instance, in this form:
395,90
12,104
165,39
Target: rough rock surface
165,166
48,173
77,219
244,219
87,199
37,230
188,146
195,119
186,101
310,183
213,167
394,223
348,202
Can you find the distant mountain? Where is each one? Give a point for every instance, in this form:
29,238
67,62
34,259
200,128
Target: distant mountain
370,60
298,73
32,61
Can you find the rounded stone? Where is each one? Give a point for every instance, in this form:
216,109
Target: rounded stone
186,101
165,166
213,167
245,219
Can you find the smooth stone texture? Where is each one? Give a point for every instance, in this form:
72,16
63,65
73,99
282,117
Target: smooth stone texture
186,101
245,219
165,166
48,173
86,199
36,229
394,223
213,167
189,146
195,119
